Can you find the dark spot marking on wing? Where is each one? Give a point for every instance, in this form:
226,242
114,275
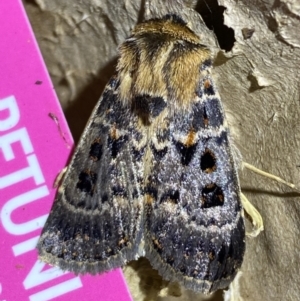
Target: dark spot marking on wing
157,105
116,144
140,105
171,196
186,152
86,182
104,198
159,154
146,106
212,196
138,153
96,150
208,161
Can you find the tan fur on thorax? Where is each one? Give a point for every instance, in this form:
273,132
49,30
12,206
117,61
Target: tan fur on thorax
162,59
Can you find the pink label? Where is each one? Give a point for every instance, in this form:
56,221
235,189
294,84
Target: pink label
33,150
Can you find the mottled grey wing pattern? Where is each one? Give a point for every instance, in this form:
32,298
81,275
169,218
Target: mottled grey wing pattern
153,173
195,231
96,221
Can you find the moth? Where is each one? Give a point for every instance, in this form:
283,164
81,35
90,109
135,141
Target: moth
153,174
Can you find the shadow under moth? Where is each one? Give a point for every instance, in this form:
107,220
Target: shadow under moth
153,174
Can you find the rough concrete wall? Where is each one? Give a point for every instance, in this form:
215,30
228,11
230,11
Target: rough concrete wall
258,79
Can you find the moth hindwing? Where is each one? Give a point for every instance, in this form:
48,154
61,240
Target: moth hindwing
153,174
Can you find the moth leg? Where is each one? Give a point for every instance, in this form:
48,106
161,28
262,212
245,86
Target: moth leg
255,216
250,209
266,174
59,177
